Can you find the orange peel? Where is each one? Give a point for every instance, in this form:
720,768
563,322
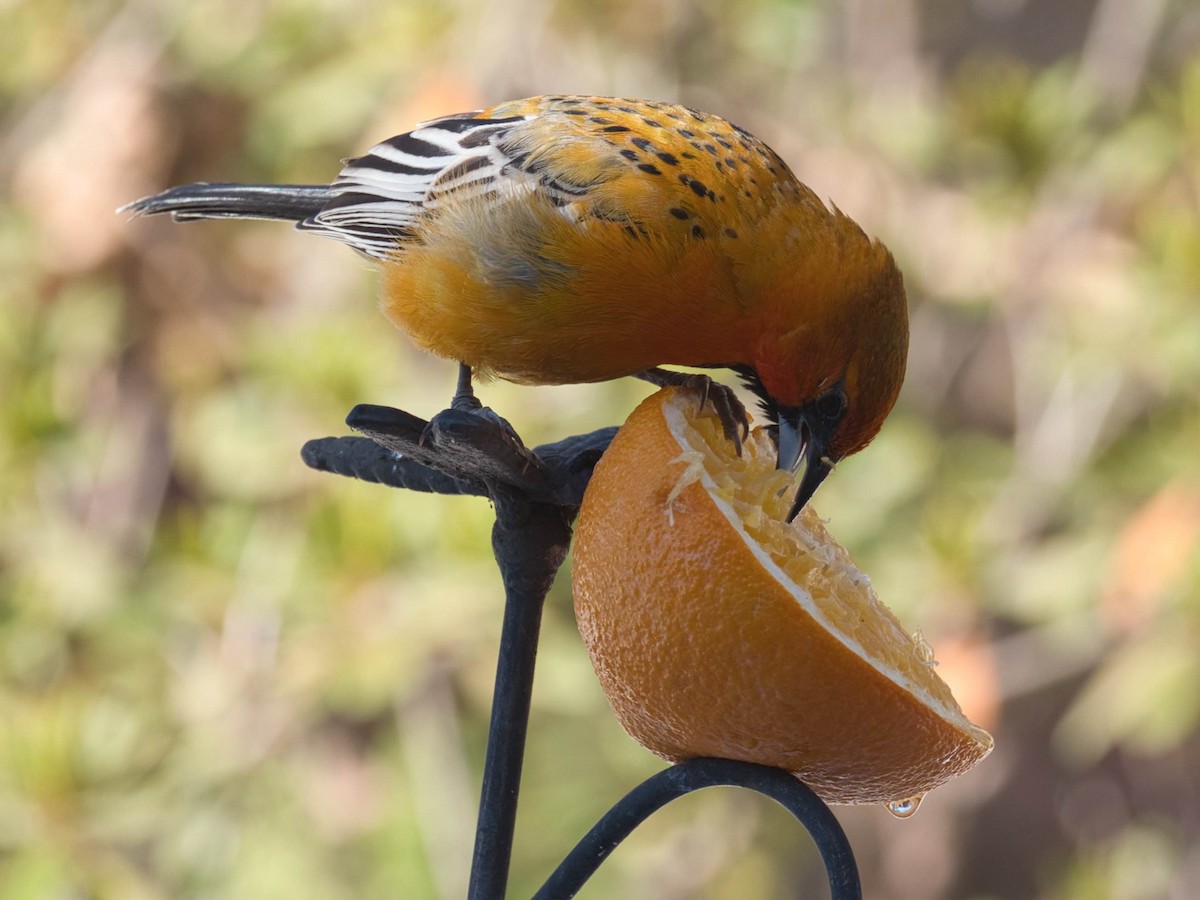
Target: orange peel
716,629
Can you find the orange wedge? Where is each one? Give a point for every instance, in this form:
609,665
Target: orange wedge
718,630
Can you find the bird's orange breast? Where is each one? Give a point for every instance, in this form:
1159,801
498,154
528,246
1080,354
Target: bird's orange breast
520,291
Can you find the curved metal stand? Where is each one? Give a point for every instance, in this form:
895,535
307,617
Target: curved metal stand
659,790
537,494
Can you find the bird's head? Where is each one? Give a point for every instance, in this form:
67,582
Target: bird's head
831,370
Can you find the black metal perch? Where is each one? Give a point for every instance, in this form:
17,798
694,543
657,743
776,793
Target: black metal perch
536,494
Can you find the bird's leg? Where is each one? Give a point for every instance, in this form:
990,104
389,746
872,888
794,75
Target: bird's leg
451,421
465,401
464,395
735,422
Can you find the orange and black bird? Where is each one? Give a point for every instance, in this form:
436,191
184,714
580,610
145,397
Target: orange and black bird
564,239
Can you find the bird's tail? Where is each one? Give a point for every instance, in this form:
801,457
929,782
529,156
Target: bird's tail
289,202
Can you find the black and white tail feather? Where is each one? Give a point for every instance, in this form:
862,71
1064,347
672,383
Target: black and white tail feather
377,200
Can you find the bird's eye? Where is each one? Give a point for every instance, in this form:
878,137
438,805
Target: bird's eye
832,405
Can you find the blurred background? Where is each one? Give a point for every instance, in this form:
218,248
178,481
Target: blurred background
223,675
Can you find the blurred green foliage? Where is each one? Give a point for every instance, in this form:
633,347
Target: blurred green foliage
224,675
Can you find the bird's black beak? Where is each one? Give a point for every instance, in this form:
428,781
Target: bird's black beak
800,441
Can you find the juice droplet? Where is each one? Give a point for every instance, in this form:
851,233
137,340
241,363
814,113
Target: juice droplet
902,809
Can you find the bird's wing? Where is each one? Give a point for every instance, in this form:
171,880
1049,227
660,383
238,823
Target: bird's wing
380,196
648,168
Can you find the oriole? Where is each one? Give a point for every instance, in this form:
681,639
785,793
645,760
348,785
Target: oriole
564,239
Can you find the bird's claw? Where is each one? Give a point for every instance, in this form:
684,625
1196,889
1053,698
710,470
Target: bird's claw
735,422
484,413
732,413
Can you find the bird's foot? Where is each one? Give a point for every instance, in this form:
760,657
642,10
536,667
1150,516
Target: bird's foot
735,421
459,452
464,428
467,420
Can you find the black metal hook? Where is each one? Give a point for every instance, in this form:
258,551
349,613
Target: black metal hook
659,790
